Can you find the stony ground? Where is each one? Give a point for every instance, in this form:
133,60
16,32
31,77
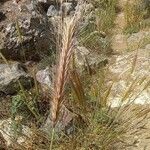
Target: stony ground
120,71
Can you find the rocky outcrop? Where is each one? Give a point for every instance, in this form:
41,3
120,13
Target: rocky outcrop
11,76
24,30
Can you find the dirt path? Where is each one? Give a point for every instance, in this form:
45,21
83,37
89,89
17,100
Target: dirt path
119,43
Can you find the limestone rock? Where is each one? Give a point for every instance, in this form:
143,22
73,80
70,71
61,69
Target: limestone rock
65,122
9,77
25,32
51,12
8,133
44,77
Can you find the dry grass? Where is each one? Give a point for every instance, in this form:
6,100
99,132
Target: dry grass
106,128
96,33
134,15
69,30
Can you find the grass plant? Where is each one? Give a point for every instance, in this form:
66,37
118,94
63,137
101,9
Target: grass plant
135,13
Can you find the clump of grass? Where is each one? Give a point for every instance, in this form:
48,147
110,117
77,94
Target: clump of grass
109,127
105,15
97,30
135,13
106,128
67,46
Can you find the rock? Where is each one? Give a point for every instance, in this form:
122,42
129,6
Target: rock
80,54
46,1
44,77
51,12
25,32
7,131
129,69
147,47
11,75
43,1
138,40
84,58
65,122
67,8
119,43
50,2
